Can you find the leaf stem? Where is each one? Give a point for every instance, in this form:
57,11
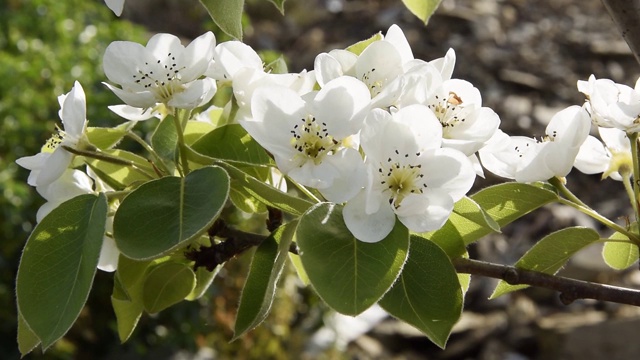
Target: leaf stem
305,191
180,122
109,158
149,149
633,138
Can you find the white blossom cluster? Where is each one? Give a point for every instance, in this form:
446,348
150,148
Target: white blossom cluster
387,135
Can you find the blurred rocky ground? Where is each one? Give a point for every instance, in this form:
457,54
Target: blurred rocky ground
525,56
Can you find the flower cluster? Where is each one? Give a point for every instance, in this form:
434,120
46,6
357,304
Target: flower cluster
389,136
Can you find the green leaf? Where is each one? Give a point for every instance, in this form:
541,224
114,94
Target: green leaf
164,214
119,176
27,339
467,223
106,138
232,142
167,284
58,265
550,254
165,139
266,193
204,278
427,294
227,15
260,286
423,9
509,201
280,5
195,130
127,294
359,47
348,274
297,264
620,254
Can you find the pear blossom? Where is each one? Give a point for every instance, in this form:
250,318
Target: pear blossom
116,6
612,159
53,159
409,175
163,72
528,160
312,137
231,56
612,104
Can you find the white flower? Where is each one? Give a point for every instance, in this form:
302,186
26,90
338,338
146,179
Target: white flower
162,72
467,125
528,160
613,105
311,137
115,5
611,158
53,159
409,175
231,56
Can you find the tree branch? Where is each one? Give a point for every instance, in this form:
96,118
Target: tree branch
570,289
626,15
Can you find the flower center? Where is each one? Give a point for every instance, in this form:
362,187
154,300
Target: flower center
374,83
162,78
401,179
312,140
621,162
54,141
448,111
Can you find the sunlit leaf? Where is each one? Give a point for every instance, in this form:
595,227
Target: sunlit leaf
359,47
58,265
166,285
427,294
423,9
227,15
348,274
620,254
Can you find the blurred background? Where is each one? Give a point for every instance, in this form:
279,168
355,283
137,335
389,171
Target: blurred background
525,56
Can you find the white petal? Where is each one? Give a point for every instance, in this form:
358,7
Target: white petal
446,64
197,56
69,185
448,170
196,94
592,158
231,56
74,112
327,68
133,113
426,212
342,105
55,166
109,255
161,45
396,37
569,126
365,227
142,99
121,60
351,176
615,139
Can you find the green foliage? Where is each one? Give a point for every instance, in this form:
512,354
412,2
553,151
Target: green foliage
58,264
348,274
260,286
427,294
620,253
233,143
166,285
165,139
227,15
359,47
550,254
423,9
175,211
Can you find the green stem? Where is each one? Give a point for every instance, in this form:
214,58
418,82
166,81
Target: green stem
564,191
631,193
109,158
633,138
180,122
305,191
149,149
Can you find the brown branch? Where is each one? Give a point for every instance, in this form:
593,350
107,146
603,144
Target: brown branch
570,289
626,15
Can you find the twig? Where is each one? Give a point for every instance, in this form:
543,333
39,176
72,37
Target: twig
570,289
626,15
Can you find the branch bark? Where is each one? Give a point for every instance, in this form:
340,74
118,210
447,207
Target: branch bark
570,289
626,15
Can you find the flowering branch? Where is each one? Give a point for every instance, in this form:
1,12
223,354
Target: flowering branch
626,15
570,289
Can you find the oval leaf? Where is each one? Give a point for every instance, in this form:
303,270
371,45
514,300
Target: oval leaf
58,265
162,214
119,176
348,274
359,47
27,339
260,286
232,142
227,15
165,139
550,254
423,9
167,284
106,138
620,255
427,294
204,278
